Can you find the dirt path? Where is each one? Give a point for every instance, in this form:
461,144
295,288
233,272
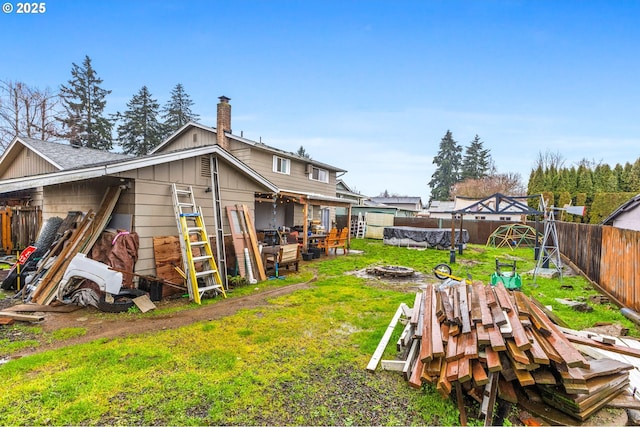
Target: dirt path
97,328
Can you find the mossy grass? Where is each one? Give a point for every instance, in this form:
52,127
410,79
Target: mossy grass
298,361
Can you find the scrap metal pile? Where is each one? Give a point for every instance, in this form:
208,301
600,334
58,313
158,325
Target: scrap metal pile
489,342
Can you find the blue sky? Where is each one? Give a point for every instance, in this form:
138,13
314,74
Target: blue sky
369,86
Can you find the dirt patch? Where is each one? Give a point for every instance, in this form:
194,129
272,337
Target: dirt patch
98,327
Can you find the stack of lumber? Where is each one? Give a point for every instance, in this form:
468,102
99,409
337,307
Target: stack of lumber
489,342
81,240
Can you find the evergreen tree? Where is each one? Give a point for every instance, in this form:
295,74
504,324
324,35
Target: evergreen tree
447,161
84,101
140,130
624,177
477,160
303,153
177,111
634,177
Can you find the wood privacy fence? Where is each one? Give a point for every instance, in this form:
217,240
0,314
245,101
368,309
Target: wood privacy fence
19,227
608,256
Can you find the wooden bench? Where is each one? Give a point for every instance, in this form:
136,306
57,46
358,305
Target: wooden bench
286,256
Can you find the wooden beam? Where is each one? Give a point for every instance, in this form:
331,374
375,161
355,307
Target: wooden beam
377,355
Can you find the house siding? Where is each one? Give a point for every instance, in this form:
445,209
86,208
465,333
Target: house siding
27,163
194,137
153,204
262,162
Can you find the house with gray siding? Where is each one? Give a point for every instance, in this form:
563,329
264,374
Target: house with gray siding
280,188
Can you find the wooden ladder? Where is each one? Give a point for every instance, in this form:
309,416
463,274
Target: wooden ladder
190,224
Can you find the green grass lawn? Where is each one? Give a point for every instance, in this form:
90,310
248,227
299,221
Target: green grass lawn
299,361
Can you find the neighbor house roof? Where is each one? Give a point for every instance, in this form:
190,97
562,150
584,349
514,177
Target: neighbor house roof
397,200
106,168
258,145
628,206
60,156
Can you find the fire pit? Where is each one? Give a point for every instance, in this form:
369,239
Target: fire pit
392,271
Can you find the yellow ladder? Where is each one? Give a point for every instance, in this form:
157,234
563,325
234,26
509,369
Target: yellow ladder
190,224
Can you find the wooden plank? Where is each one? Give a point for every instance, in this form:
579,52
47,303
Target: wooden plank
377,354
521,303
490,296
436,337
432,370
549,350
517,354
233,216
410,362
452,348
420,308
480,376
471,349
476,308
426,347
502,297
519,336
629,351
452,371
6,321
416,376
506,391
144,303
538,355
485,310
405,337
443,386
524,377
253,238
482,336
30,308
464,308
544,377
464,369
461,408
21,317
493,360
558,340
498,316
439,307
416,308
448,307
392,365
496,340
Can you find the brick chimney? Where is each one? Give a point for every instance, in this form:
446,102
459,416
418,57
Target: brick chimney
224,122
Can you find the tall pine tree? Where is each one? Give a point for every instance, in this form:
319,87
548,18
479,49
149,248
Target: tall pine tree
447,161
84,101
177,111
140,130
476,163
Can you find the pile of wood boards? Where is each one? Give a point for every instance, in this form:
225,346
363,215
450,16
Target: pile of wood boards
489,342
79,240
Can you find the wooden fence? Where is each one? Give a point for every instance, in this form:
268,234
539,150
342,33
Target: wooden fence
19,227
608,256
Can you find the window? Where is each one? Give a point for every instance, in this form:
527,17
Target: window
318,174
281,165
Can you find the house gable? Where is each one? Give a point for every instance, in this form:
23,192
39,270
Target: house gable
28,156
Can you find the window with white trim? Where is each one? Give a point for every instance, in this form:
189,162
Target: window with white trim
318,174
281,165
